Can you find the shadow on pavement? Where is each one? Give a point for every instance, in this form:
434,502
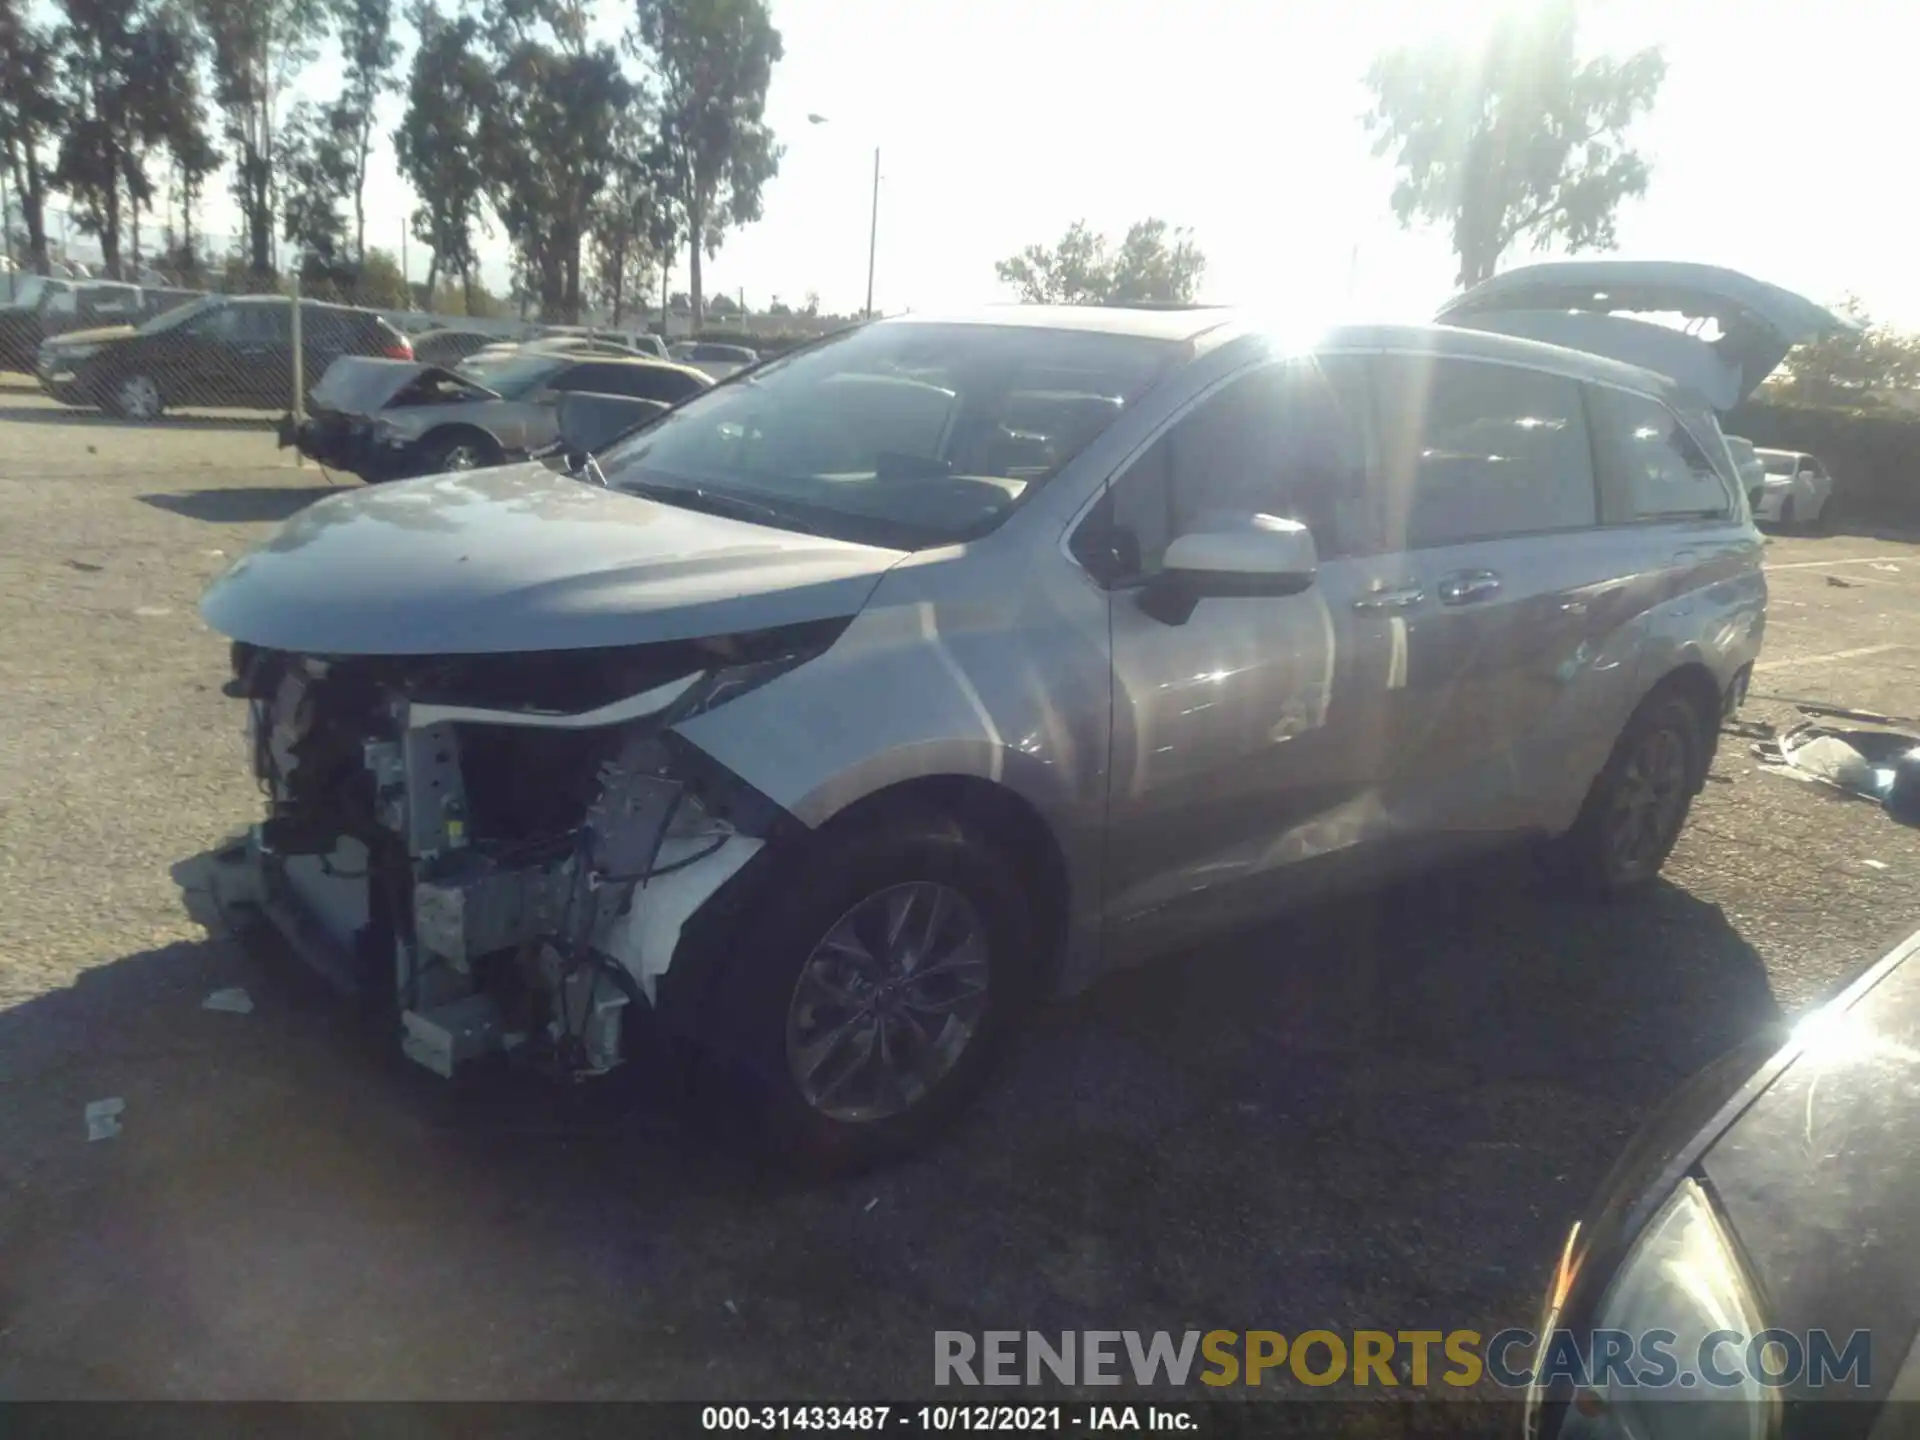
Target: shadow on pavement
44,415
1896,532
240,504
1380,1111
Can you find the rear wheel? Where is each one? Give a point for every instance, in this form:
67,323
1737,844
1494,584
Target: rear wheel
869,999
138,397
1786,513
1637,806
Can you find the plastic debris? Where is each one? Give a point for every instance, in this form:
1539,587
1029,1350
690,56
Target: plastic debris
1875,864
732,1309
234,1001
1838,583
1829,758
103,1118
1882,565
868,1210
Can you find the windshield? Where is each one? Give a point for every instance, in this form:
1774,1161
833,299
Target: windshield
905,434
514,375
1779,463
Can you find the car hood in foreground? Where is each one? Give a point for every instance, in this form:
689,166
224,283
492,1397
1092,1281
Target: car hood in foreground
521,558
1808,1150
1816,1177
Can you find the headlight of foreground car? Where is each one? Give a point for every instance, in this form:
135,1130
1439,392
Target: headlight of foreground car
1680,1277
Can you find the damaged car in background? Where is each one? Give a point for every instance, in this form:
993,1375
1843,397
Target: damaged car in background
839,712
390,419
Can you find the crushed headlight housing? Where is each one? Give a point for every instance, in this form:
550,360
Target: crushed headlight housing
1680,1276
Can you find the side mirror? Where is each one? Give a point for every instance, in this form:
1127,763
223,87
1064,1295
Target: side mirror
1270,557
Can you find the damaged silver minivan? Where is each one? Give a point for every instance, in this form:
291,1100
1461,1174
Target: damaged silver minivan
849,707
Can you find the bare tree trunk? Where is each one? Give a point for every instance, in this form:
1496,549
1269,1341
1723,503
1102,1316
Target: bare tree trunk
110,228
695,224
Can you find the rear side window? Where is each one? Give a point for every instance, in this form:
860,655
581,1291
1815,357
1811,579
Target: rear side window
1667,474
1478,451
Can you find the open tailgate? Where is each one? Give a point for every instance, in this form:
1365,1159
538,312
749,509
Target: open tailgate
1592,305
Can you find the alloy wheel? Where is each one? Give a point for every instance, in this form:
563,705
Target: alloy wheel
139,398
888,1001
1648,802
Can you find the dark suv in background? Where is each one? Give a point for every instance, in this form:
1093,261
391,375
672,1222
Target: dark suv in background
223,352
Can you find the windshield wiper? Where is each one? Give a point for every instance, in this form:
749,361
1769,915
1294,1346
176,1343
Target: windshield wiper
736,507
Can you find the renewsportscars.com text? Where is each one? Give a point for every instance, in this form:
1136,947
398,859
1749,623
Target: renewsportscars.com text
1415,1359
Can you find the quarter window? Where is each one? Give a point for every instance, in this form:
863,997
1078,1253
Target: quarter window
1479,451
1668,474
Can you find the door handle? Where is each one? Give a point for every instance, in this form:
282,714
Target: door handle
1402,599
1464,587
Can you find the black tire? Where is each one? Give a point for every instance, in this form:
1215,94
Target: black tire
444,451
1596,856
870,856
1785,521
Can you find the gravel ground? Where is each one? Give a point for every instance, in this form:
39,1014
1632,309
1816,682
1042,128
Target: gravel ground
1381,1114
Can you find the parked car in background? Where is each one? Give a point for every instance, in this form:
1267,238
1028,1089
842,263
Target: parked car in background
1797,488
223,352
1753,472
719,361
46,307
1773,1194
384,420
960,660
563,345
449,347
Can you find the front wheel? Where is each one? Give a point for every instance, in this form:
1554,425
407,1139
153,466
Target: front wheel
138,397
871,996
458,450
1634,812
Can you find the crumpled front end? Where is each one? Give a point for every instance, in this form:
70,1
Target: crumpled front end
505,847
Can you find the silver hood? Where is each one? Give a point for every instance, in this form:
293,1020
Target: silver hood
364,384
519,559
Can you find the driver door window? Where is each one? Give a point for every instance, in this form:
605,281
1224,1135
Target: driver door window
214,326
1286,441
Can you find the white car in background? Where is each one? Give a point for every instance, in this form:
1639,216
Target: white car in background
719,361
1797,488
1752,470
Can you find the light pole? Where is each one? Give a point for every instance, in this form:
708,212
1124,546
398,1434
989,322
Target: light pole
873,223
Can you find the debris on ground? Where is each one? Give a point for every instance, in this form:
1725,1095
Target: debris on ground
870,1204
234,1001
85,565
1879,765
103,1118
1825,711
1838,583
732,1309
1882,565
1875,864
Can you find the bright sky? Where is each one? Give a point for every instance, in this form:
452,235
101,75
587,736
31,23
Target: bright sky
1002,121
